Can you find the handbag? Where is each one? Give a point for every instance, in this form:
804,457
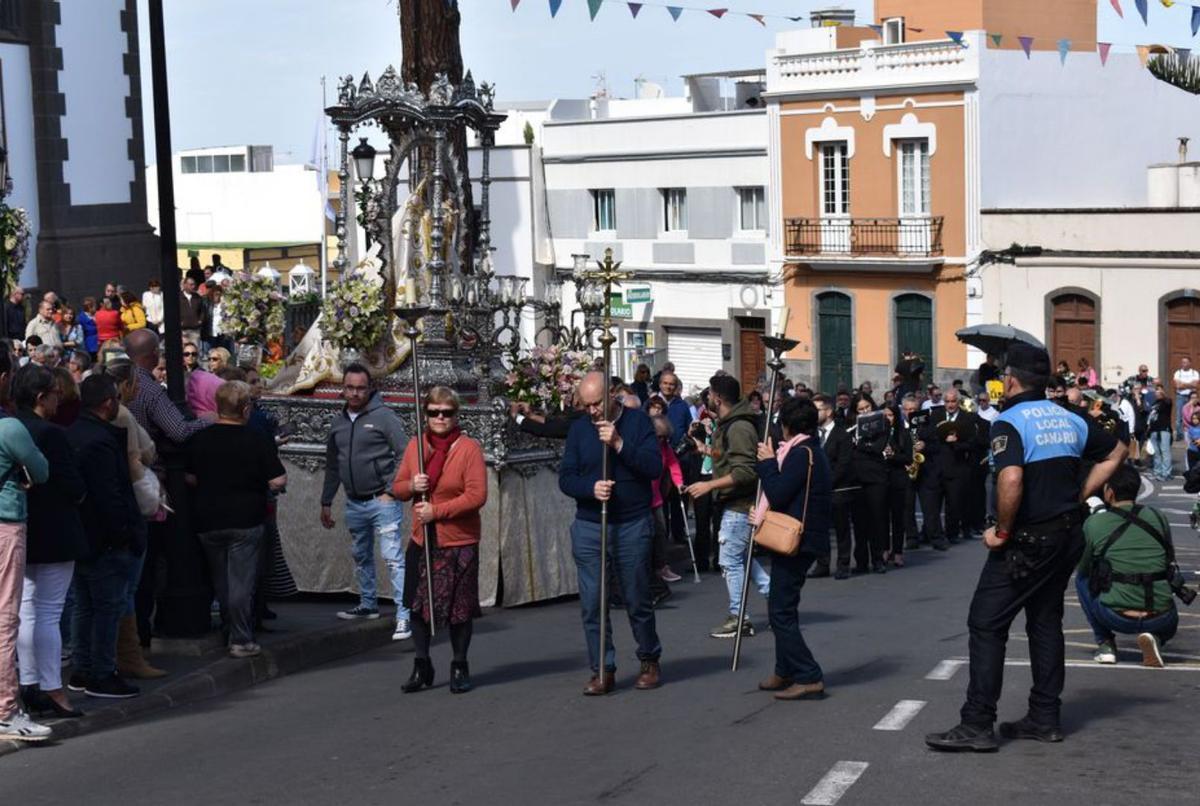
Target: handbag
780,532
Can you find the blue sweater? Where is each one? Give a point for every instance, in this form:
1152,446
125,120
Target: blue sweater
784,489
638,464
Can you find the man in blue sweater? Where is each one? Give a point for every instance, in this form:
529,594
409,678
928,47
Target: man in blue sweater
634,461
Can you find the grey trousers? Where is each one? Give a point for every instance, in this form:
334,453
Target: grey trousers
233,561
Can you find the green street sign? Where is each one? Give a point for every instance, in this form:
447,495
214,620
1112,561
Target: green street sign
618,307
637,294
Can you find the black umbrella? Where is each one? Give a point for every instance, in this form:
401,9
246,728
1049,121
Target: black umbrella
995,339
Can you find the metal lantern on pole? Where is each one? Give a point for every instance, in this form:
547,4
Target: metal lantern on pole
269,272
300,280
364,160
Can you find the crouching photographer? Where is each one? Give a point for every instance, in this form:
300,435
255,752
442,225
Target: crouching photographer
1127,574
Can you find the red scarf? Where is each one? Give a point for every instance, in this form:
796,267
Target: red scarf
439,450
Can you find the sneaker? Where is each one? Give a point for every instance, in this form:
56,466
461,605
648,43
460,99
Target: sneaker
1151,656
20,728
841,573
964,737
403,630
359,612
111,688
660,597
667,575
1106,652
77,681
728,628
1027,728
250,650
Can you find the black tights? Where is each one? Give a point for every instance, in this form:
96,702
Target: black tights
460,638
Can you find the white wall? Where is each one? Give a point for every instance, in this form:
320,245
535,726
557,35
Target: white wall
688,133
22,159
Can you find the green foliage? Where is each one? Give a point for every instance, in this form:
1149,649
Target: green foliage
252,309
14,234
528,132
1177,71
353,315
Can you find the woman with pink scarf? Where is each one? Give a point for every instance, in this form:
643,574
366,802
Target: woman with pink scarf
202,394
796,480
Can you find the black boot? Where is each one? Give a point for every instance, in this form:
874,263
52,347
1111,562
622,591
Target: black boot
421,677
460,677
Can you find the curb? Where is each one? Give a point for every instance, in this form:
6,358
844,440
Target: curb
226,676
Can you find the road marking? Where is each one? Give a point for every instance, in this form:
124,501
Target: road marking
1176,495
945,669
1146,490
900,715
1082,664
841,777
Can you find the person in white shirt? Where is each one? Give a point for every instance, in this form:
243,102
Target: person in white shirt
43,325
984,407
934,399
152,301
1185,381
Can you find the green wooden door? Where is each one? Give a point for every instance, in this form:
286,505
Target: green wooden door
836,351
914,327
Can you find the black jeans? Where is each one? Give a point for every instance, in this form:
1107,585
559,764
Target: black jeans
910,511
842,504
897,498
929,491
793,659
706,528
870,529
233,562
955,492
998,599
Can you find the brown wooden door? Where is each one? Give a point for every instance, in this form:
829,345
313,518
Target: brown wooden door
752,353
1074,330
1183,333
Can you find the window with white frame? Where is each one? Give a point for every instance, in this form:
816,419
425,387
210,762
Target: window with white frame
674,210
893,31
604,210
752,209
835,179
914,177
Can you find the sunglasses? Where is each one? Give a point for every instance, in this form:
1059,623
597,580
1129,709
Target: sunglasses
190,355
446,414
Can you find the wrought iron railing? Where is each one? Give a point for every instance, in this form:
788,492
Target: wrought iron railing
297,320
898,237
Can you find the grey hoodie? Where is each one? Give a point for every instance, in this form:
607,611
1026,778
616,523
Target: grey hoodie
361,454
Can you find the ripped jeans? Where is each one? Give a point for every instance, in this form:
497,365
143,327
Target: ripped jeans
368,520
734,539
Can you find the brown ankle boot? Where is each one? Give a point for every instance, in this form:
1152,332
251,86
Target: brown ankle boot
130,662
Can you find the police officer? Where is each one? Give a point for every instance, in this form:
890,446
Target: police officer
1037,447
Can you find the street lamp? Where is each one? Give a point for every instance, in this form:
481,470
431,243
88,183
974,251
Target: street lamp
364,160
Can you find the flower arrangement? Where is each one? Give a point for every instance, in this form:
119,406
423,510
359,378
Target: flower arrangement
353,316
15,234
252,309
546,378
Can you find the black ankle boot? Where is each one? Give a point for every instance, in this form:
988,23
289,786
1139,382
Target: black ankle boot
421,677
460,677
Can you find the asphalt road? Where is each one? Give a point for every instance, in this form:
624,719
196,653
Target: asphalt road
345,733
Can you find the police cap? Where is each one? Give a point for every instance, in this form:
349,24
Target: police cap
1026,357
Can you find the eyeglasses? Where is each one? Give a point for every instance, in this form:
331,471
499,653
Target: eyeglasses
445,414
190,355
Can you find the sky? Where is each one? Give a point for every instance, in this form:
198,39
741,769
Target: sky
249,71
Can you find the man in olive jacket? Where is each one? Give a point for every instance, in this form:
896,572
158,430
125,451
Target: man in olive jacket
734,453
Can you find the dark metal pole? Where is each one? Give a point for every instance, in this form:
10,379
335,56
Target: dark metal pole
412,314
168,249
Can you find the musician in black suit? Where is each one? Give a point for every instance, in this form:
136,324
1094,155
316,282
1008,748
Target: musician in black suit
961,436
840,452
870,437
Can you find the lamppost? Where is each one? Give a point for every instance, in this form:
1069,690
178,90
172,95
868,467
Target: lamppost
364,168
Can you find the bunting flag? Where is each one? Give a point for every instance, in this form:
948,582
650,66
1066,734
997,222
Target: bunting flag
1026,44
1064,47
1195,20
634,8
996,39
877,29
515,3
717,12
1184,54
1103,48
758,18
594,8
1167,3
675,11
1143,54
1143,7
1117,5
956,37
555,5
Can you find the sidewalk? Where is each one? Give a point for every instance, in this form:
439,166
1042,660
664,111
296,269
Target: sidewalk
306,634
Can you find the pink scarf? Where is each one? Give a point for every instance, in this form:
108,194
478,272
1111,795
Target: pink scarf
760,509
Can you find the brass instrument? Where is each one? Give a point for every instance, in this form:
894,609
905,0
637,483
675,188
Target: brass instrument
915,468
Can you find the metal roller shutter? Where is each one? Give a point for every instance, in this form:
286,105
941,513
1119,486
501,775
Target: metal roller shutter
696,354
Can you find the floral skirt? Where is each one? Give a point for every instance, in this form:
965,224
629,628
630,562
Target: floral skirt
455,584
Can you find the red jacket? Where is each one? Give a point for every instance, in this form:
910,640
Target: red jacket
460,494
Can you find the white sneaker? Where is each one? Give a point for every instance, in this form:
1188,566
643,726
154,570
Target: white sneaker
19,727
1151,656
1105,653
250,650
403,630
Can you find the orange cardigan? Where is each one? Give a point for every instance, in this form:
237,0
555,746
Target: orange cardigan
460,494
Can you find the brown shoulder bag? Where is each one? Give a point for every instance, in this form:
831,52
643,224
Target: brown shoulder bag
780,532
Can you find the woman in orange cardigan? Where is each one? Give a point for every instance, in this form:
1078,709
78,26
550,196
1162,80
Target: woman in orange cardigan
449,495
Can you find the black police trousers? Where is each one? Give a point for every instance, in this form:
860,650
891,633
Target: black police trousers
998,599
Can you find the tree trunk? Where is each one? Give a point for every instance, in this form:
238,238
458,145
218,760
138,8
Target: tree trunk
430,45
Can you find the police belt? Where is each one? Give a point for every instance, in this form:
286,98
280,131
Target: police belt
1056,525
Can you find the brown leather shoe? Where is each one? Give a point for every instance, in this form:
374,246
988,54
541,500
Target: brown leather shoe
649,678
802,691
775,683
597,687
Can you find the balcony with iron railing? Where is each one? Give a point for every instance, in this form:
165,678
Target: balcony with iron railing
845,238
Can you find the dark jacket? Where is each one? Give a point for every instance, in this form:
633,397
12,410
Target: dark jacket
785,487
902,453
556,426
14,321
362,454
956,460
638,464
734,453
110,514
839,452
55,531
191,312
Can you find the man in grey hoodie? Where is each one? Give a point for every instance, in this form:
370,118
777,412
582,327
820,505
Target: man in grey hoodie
366,442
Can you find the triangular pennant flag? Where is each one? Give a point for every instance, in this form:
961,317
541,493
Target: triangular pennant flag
1143,8
515,3
1104,48
674,11
594,7
1064,47
996,39
555,5
1143,54
956,36
1026,44
1195,20
1117,5
1167,3
634,8
717,12
1184,54
758,18
877,29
